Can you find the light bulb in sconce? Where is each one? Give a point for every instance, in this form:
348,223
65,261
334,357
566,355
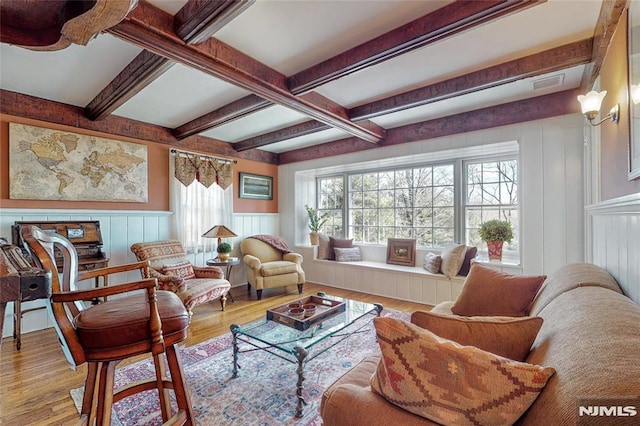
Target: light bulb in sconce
590,105
635,93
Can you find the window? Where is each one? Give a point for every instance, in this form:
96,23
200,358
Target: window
433,203
491,192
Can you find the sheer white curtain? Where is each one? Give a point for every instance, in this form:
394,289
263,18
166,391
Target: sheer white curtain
196,209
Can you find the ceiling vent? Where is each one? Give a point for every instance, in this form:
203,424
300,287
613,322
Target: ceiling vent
545,83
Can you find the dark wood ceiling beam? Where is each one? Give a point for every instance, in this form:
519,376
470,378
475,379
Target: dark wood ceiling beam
25,106
458,16
229,112
145,27
555,59
200,19
196,21
297,130
551,60
555,104
610,14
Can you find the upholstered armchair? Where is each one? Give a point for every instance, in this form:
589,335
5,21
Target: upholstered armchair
270,263
169,264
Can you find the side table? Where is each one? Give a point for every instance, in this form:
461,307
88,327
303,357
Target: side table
227,265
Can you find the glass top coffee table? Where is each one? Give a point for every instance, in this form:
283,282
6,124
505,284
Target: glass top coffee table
294,345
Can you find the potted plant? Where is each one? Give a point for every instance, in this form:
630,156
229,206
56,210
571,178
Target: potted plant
495,232
316,220
224,251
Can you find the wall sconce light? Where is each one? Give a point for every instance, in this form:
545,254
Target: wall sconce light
590,104
635,93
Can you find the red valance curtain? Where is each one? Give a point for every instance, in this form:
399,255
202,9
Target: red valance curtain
206,170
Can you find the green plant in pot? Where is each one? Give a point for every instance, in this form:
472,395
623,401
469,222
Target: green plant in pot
316,221
495,232
224,251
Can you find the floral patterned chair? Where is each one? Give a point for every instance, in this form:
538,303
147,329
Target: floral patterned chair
170,265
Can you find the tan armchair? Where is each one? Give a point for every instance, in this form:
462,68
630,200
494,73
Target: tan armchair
170,265
270,263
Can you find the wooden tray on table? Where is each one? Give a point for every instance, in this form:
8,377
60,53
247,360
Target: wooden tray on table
325,308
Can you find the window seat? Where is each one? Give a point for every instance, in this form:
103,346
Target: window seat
411,283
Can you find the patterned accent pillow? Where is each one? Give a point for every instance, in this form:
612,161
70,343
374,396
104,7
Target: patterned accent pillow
491,293
505,336
449,383
323,246
350,254
336,242
469,255
182,270
452,259
432,262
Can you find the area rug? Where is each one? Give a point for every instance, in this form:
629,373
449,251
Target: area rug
262,394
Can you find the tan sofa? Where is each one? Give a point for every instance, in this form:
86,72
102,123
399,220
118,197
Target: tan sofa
270,263
590,335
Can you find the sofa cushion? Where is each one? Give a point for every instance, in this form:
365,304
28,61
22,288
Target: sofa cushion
182,270
491,293
469,255
452,259
340,243
505,336
270,269
449,383
432,262
350,254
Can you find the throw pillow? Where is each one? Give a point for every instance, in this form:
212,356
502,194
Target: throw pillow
182,270
323,246
469,255
491,293
432,262
505,336
452,258
350,254
336,242
449,383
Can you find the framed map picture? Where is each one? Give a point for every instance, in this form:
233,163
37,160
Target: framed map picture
47,164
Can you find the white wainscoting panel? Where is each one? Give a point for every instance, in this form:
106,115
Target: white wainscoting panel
614,230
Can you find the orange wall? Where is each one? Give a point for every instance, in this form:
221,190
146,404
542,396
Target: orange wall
158,158
614,153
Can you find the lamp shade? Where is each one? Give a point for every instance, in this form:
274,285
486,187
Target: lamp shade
591,102
219,232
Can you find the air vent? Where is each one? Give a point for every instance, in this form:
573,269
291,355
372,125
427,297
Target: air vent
547,82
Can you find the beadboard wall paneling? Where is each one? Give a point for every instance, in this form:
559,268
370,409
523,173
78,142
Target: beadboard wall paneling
120,229
614,228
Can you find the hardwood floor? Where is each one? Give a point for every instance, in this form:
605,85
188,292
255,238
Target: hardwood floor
35,381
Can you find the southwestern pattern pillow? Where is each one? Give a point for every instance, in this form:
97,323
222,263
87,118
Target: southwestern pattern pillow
449,383
432,262
505,336
182,270
350,254
491,293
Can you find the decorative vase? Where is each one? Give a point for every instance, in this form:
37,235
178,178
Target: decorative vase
495,249
224,256
313,237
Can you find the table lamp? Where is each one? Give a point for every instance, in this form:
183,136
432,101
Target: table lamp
219,232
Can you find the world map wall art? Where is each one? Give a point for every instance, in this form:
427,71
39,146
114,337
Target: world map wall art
47,164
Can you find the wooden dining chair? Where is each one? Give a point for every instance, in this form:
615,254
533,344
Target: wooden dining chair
135,319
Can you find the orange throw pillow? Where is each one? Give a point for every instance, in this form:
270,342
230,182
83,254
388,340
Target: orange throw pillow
452,384
491,293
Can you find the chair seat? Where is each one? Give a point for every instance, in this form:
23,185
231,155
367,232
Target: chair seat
119,324
278,267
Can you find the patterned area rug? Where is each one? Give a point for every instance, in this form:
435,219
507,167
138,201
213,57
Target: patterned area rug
262,394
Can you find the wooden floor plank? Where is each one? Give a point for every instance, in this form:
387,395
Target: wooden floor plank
35,381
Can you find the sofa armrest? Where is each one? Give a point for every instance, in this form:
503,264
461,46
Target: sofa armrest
293,257
208,272
252,262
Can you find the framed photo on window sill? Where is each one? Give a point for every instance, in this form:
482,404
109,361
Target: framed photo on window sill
401,251
257,187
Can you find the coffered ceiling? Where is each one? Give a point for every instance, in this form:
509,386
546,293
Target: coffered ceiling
283,81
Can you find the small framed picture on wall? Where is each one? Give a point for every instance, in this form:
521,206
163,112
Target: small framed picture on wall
257,187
